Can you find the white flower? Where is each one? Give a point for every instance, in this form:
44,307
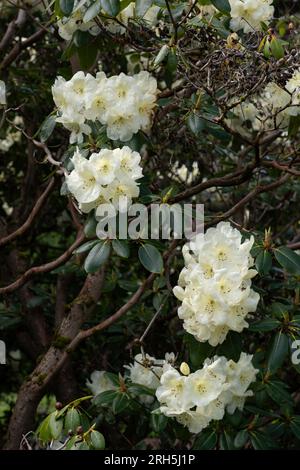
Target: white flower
172,390
104,166
2,92
82,182
99,382
108,176
68,25
215,284
203,396
146,370
248,14
129,163
123,103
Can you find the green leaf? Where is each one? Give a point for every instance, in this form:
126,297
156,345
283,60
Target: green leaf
47,128
66,6
158,422
267,49
55,425
111,7
90,226
86,246
267,324
92,11
142,6
263,262
81,38
241,438
206,441
137,389
151,258
163,52
276,48
96,257
277,390
105,398
295,426
221,5
195,123
226,441
121,248
114,378
87,55
72,419
120,403
280,310
82,446
288,259
97,439
261,441
44,431
278,351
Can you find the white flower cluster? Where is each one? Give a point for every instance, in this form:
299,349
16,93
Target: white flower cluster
270,108
198,398
147,371
69,24
108,176
150,18
99,382
215,284
123,103
249,14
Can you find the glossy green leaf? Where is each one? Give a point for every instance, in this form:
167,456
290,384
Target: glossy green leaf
276,48
221,5
120,403
47,128
158,422
55,425
195,123
86,246
72,419
121,248
105,398
241,438
263,262
97,440
142,6
96,257
151,258
66,6
278,351
111,7
288,259
267,324
92,11
207,440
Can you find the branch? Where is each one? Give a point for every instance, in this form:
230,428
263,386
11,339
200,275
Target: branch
83,334
257,190
13,54
35,211
11,29
44,268
231,179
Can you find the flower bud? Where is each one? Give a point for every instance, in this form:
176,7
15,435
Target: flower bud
184,368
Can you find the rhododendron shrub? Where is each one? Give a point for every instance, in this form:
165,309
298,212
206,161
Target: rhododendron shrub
126,339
